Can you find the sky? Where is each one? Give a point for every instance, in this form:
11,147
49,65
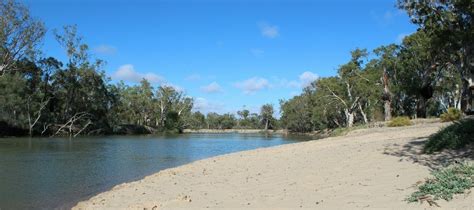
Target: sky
226,54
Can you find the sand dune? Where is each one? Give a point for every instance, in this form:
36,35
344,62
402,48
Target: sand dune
373,168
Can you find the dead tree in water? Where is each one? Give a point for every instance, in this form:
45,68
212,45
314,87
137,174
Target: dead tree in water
70,124
31,122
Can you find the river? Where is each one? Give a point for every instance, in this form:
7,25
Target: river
45,173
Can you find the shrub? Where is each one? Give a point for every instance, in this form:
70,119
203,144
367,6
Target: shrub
399,121
445,183
455,136
452,114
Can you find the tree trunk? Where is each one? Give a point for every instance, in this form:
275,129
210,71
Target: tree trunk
421,108
364,116
387,97
349,118
466,95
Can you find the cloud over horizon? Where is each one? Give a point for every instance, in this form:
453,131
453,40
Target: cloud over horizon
252,85
306,78
205,106
213,87
128,73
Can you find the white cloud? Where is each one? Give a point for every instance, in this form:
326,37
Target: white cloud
214,87
127,73
253,85
257,52
105,49
193,77
304,80
205,106
307,77
269,31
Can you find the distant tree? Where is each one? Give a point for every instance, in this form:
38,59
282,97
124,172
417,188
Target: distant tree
227,121
197,121
266,113
388,63
243,118
297,114
212,120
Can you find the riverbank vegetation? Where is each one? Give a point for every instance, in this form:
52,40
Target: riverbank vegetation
425,75
429,72
41,95
444,184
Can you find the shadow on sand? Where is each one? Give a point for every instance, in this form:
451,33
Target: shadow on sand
413,151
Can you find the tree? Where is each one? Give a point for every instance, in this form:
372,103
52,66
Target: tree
172,103
388,63
297,114
266,113
227,121
243,115
449,25
417,74
197,120
82,97
20,34
348,91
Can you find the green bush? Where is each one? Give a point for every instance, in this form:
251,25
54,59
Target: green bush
399,121
455,136
445,183
452,114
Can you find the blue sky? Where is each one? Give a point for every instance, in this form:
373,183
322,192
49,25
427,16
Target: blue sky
226,54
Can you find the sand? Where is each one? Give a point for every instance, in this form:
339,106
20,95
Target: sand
370,168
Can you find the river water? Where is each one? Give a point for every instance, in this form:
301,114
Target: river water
45,173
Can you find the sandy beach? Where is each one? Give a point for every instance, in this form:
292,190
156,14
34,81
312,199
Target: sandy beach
368,168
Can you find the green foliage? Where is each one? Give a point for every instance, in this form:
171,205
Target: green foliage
455,136
217,121
297,114
449,27
399,121
266,112
20,35
446,183
423,75
452,114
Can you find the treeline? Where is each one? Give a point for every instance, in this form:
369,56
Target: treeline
43,96
166,109
430,71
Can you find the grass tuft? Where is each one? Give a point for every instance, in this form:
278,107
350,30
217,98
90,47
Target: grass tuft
342,131
445,183
452,114
399,121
